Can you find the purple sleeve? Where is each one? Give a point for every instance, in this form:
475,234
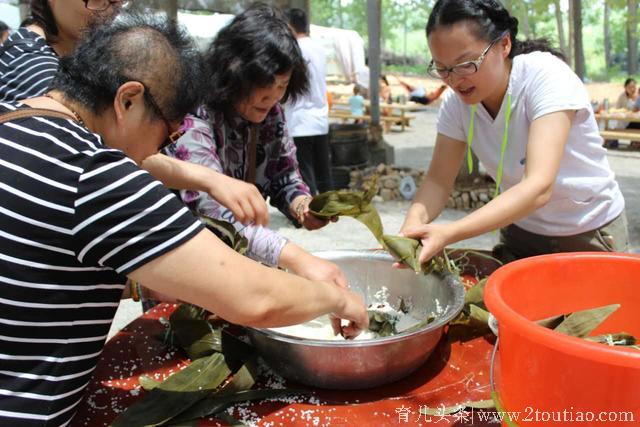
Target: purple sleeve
286,180
198,146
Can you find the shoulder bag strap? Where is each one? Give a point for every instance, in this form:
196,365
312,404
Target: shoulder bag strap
31,112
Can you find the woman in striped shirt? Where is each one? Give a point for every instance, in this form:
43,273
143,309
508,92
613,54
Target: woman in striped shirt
78,216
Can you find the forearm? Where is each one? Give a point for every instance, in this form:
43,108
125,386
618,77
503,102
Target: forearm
293,257
178,174
207,273
509,207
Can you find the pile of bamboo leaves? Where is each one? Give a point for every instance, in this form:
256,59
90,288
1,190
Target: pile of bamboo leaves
221,373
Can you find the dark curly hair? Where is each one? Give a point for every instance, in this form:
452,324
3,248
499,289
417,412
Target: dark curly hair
152,51
491,20
248,53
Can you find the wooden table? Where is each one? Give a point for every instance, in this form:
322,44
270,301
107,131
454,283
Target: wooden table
455,373
632,135
402,117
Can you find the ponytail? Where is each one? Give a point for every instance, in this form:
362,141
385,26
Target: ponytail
491,20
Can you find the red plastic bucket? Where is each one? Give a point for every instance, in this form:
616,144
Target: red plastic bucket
554,379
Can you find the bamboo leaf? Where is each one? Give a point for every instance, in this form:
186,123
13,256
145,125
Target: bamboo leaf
551,322
181,390
356,204
231,421
148,383
193,332
227,233
219,402
475,294
404,249
581,323
481,404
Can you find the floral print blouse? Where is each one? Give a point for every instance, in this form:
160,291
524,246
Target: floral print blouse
221,142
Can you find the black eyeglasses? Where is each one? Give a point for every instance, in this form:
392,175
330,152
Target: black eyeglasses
463,69
101,5
172,136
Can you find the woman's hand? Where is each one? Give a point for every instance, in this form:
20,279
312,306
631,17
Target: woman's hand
300,210
302,263
242,199
434,238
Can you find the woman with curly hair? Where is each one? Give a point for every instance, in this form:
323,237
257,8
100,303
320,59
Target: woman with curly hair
253,65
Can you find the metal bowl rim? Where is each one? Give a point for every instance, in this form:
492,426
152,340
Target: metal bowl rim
453,309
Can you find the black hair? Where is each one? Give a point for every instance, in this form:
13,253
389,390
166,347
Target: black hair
491,21
248,53
42,16
3,27
298,20
152,51
629,81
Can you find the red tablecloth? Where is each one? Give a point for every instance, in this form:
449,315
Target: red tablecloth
455,373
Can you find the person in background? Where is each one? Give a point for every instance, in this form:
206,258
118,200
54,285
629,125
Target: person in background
4,32
626,101
308,116
528,118
419,93
79,217
252,65
356,102
628,97
385,90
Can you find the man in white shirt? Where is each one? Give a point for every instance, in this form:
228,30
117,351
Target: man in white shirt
308,117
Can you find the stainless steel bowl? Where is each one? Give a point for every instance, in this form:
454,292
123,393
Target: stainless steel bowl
367,363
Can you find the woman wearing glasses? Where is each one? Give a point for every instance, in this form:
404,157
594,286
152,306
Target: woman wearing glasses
29,58
527,117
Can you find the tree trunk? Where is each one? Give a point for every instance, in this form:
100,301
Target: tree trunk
632,36
526,27
374,25
607,35
570,50
25,9
340,17
578,48
172,9
560,26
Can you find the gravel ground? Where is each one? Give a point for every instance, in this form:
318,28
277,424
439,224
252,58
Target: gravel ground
413,148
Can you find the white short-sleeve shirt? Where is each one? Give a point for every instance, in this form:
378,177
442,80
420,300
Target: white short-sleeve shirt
309,116
585,194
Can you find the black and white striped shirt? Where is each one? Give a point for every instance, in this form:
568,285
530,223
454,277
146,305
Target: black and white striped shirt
75,218
27,66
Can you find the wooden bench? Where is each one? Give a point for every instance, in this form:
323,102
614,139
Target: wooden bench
404,120
627,134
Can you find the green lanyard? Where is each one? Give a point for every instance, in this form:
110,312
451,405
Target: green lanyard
503,147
